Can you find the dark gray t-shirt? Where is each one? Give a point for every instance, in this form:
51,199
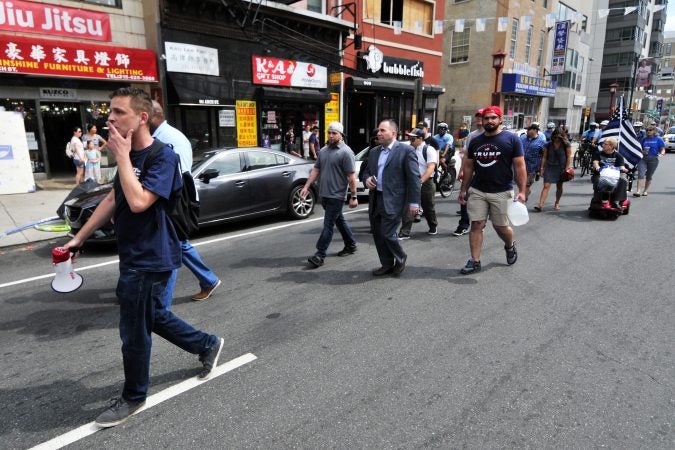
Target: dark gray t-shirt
334,163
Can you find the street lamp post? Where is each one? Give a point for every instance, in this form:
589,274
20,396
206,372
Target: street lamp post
612,91
498,65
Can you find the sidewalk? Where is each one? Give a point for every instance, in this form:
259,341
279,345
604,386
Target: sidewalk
20,209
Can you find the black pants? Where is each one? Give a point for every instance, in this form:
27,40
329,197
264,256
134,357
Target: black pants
618,194
428,208
388,247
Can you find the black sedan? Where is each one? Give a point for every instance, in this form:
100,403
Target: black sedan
233,184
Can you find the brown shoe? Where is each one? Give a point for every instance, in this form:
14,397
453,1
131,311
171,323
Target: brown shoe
383,271
399,267
205,293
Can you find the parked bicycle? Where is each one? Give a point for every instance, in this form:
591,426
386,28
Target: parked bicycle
583,158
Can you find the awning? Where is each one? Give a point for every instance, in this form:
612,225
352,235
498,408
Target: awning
357,84
191,89
290,94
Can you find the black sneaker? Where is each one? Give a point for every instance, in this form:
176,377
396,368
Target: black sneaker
119,411
471,267
316,261
347,251
511,254
433,231
403,236
460,231
210,359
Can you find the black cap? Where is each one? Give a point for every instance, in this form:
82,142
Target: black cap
417,132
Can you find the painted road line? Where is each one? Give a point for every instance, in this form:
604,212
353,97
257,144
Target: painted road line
194,244
155,399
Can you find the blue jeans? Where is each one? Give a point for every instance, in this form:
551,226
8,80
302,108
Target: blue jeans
142,312
333,217
192,261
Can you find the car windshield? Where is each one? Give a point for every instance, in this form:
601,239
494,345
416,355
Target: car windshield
198,159
671,130
362,155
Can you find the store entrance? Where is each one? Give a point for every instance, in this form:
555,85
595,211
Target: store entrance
361,120
59,120
282,124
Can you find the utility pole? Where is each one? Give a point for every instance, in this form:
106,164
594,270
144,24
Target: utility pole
636,59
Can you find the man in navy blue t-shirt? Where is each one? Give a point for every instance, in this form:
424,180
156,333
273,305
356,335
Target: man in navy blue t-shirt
148,247
488,169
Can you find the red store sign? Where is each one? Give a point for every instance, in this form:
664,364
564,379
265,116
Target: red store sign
30,56
54,20
284,72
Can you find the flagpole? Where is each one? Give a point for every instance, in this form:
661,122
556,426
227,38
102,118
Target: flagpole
618,142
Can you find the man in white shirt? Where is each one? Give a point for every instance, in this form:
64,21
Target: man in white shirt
427,158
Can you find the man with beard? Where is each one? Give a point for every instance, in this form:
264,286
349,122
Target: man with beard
335,165
489,171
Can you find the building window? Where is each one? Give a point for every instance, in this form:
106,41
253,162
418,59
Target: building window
113,3
540,53
315,5
528,45
459,49
514,38
408,12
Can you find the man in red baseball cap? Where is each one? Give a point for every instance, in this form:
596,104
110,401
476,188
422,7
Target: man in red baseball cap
493,159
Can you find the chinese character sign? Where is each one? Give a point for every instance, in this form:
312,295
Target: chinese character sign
247,129
32,56
559,48
332,111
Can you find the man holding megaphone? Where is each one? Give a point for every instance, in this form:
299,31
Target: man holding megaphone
148,250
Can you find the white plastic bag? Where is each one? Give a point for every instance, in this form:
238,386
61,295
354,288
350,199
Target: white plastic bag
518,214
609,178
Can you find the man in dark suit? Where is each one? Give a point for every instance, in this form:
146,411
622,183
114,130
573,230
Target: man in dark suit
393,177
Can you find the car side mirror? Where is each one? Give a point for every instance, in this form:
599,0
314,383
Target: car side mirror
208,174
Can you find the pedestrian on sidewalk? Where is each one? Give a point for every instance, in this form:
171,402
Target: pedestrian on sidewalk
148,251
79,158
393,177
208,281
334,168
493,159
93,165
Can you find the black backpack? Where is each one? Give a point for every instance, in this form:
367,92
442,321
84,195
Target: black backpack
183,207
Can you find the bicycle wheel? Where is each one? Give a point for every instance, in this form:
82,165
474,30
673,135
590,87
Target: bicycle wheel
447,183
575,160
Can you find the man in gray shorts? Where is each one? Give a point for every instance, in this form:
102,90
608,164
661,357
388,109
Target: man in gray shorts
488,169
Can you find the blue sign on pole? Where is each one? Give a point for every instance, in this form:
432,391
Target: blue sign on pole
525,84
560,48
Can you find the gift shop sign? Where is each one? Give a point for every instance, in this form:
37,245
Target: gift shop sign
23,55
54,20
284,72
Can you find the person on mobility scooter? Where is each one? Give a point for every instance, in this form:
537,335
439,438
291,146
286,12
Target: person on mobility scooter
609,188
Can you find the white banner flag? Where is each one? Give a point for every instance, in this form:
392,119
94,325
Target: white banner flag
629,10
603,13
502,24
526,22
459,26
550,20
397,26
480,25
439,27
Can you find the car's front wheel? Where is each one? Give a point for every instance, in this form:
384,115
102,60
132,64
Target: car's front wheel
298,207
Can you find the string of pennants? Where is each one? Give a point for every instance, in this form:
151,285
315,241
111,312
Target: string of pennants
526,21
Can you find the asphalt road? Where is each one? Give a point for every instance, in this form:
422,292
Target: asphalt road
572,347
